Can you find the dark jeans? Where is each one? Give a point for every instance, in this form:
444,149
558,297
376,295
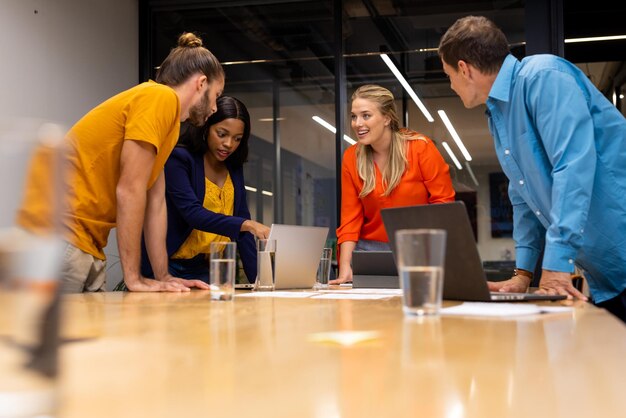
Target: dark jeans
193,268
369,245
617,306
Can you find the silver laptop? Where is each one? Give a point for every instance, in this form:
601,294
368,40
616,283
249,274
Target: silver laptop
298,252
464,277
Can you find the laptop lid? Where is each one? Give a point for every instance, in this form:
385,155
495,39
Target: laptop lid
374,269
298,252
464,277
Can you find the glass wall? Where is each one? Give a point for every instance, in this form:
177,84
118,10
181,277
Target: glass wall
279,58
408,32
595,40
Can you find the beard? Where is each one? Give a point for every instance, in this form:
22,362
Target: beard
199,112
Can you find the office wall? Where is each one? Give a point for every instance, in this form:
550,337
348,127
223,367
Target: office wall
63,57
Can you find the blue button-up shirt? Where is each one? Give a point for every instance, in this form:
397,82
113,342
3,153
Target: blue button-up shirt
562,145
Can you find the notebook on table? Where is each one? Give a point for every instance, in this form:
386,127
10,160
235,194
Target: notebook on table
298,253
464,277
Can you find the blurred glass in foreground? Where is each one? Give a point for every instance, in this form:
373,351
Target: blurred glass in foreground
31,163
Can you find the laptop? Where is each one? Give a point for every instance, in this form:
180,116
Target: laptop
298,253
464,277
374,269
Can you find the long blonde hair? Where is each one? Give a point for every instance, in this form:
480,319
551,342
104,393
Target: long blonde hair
396,159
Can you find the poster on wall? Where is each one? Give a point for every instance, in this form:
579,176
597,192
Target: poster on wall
501,209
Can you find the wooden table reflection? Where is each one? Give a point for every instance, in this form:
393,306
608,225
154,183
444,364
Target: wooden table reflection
181,355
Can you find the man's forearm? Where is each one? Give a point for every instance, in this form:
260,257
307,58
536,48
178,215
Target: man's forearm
155,231
130,213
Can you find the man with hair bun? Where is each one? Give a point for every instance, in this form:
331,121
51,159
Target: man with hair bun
116,154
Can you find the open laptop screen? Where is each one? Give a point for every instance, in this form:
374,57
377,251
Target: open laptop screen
464,277
298,252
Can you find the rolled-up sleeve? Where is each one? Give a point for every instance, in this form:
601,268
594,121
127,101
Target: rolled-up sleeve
351,205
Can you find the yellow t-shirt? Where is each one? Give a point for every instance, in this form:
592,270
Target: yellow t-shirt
41,204
149,112
216,200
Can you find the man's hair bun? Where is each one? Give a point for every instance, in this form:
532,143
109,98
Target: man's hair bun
189,40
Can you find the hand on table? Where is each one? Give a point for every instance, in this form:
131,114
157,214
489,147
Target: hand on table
558,283
168,283
345,276
516,284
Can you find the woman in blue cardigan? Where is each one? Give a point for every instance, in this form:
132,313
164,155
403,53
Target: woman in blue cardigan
205,194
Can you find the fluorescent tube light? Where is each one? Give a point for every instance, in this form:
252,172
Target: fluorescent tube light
595,39
471,173
455,136
452,156
406,86
332,129
349,140
270,119
254,189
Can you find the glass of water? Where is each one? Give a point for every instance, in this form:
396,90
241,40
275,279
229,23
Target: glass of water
323,270
222,268
265,270
32,161
421,258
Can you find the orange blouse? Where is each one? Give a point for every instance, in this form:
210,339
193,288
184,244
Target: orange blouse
426,180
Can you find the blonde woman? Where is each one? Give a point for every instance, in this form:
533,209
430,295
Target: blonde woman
387,167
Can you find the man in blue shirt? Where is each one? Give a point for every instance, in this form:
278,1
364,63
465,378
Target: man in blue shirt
562,145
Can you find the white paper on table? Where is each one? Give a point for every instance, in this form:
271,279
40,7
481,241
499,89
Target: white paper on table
276,294
363,290
501,309
349,295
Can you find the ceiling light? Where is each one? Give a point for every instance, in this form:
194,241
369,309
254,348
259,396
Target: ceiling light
471,173
595,39
455,136
269,119
332,129
406,86
250,189
452,156
266,193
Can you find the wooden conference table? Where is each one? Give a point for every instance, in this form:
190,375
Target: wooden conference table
181,355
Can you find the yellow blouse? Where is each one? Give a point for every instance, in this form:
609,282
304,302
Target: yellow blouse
218,200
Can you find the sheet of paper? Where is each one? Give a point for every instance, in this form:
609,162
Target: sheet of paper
371,291
276,294
349,296
500,309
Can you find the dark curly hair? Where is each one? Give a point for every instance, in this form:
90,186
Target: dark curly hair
195,139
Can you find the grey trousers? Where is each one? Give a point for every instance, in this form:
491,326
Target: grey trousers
82,272
368,245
